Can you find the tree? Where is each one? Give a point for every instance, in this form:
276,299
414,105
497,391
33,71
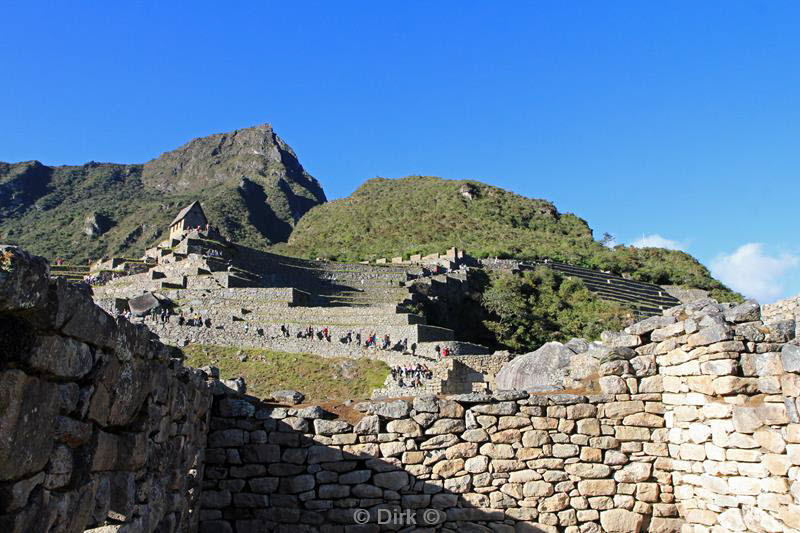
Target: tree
541,305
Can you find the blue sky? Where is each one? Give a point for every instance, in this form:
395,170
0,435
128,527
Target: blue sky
673,122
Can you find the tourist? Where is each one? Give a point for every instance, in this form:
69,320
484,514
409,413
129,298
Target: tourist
358,338
438,350
445,351
180,319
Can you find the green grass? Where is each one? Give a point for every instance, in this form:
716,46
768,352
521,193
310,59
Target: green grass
319,378
420,214
43,208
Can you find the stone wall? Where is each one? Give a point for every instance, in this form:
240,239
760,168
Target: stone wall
730,401
685,422
473,372
788,309
98,423
474,462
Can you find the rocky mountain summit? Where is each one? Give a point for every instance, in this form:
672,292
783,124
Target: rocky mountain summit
254,162
250,182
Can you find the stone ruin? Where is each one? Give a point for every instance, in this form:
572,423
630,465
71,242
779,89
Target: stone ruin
246,295
687,422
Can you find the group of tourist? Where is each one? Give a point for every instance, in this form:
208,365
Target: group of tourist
91,279
195,320
308,333
442,351
410,376
372,340
158,314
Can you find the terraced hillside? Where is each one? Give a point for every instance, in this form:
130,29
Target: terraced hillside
422,214
647,299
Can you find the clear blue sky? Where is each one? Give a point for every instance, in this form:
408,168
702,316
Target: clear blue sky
674,119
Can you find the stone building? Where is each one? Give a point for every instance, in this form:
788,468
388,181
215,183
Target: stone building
190,216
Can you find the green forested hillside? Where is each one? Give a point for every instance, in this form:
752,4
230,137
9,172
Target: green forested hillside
420,214
250,184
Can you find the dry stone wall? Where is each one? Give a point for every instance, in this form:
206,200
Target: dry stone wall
683,422
502,462
788,309
730,401
99,425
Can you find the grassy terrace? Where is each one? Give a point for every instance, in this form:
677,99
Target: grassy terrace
319,378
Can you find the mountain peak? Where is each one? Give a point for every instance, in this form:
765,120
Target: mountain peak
250,182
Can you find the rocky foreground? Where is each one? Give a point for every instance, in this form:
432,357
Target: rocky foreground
690,423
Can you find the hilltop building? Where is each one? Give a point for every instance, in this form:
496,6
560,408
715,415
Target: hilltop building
190,216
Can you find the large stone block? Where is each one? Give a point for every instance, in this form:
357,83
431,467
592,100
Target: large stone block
649,324
790,358
446,425
597,487
620,340
60,356
711,334
28,410
23,280
748,311
330,427
762,364
391,480
393,409
621,521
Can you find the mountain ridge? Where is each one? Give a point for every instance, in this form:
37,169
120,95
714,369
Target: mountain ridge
427,214
254,188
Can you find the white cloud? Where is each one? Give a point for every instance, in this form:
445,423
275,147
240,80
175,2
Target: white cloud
657,241
754,273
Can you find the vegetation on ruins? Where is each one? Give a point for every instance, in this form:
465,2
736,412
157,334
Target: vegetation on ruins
422,214
320,378
540,305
